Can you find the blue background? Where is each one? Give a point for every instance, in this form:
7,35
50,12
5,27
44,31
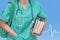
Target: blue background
52,31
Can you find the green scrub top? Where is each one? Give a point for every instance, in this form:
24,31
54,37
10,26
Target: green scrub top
22,23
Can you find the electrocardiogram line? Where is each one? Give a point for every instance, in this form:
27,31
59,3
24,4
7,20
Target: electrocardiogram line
51,30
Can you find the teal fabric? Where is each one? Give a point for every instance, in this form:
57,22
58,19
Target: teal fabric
22,24
4,16
3,33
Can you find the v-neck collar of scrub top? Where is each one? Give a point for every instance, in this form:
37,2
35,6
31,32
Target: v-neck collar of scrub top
21,7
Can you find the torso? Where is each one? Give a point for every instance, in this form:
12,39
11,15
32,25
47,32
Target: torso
26,20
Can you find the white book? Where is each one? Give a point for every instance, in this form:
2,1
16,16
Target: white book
38,26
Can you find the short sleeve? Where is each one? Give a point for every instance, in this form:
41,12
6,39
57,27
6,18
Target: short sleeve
42,13
5,14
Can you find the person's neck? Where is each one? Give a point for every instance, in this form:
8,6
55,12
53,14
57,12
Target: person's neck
24,3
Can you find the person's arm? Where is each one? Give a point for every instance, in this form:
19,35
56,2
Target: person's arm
43,15
45,21
4,17
7,28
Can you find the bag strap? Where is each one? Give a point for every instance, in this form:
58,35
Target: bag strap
11,15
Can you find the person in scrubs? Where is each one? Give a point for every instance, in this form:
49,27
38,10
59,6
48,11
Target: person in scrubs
22,24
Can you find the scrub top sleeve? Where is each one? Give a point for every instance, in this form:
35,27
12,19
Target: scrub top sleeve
42,13
5,14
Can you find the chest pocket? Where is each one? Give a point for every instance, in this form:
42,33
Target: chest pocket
24,18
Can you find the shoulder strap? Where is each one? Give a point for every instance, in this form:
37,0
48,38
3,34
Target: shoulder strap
11,15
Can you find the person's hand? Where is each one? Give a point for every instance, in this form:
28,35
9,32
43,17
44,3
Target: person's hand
18,37
34,33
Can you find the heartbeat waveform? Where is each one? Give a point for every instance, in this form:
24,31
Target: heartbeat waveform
50,29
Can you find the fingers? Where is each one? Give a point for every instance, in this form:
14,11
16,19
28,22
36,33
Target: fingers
33,33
